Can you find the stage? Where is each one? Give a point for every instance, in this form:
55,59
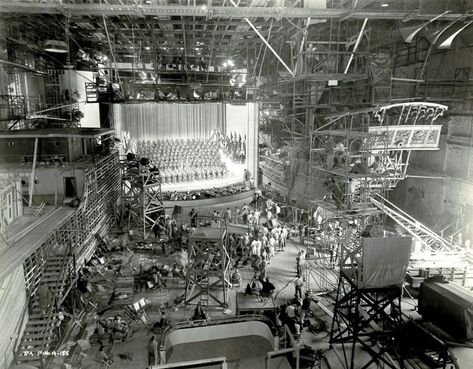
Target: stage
234,175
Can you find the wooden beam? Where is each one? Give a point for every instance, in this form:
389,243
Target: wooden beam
33,169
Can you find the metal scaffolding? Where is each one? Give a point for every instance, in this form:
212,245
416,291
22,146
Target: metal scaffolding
208,274
142,200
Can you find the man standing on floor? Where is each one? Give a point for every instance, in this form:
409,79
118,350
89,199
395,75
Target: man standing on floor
193,218
283,237
256,215
152,351
298,286
237,215
228,215
244,213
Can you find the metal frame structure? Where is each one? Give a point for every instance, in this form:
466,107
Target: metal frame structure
367,152
360,317
78,234
209,266
367,318
141,195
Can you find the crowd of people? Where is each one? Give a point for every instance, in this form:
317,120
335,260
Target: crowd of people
233,145
184,160
205,194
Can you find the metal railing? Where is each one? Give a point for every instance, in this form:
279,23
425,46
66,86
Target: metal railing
429,239
206,323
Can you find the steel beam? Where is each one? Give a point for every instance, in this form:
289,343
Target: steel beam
48,7
266,42
357,43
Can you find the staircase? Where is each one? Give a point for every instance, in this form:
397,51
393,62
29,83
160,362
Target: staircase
40,333
39,336
430,240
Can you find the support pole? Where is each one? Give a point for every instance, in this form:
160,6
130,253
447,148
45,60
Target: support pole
33,169
356,45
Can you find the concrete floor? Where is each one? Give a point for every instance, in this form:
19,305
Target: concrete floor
282,272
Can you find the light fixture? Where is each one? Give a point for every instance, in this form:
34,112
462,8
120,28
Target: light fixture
147,48
384,5
56,46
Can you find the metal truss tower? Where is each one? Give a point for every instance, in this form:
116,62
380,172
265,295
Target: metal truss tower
142,201
209,264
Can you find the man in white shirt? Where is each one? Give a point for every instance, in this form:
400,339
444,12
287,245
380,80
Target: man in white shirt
257,215
254,248
228,215
246,240
291,311
283,237
258,247
272,245
250,220
264,240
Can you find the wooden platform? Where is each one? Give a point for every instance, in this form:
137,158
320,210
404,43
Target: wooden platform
18,251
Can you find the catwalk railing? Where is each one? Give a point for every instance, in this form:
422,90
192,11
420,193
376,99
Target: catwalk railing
431,241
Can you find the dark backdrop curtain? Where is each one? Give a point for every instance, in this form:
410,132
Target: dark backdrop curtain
152,121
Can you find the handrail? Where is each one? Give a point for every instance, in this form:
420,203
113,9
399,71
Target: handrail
54,306
393,211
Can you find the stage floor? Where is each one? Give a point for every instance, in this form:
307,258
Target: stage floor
235,175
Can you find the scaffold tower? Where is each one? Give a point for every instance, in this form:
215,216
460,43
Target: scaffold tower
142,201
209,267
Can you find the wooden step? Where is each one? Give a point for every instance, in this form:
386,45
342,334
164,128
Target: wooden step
39,336
37,323
51,273
34,328
55,261
38,316
58,259
50,268
34,360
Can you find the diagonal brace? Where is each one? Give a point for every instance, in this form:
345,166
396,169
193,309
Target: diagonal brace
266,42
